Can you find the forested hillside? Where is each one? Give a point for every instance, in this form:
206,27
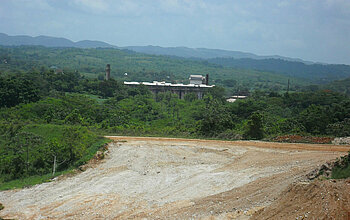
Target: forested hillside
318,73
47,41
139,67
48,115
169,62
203,53
342,86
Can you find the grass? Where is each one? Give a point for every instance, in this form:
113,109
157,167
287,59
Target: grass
31,180
90,152
89,75
341,173
96,97
49,131
342,169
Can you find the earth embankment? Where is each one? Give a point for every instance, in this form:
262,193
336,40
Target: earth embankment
172,178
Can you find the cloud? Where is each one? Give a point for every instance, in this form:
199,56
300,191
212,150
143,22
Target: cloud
310,29
94,6
33,4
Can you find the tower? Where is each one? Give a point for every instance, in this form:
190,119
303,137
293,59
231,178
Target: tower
108,71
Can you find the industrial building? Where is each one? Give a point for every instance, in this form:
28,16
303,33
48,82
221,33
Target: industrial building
198,85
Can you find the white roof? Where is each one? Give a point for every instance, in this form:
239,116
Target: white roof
238,97
196,76
156,83
231,100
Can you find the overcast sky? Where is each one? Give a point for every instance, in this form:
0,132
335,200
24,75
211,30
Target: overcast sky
315,30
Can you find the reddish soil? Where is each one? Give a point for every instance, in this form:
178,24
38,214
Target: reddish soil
326,199
168,178
303,139
259,144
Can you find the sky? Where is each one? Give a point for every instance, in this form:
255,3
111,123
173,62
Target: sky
313,30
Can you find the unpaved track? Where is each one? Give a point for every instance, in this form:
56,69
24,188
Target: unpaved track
172,178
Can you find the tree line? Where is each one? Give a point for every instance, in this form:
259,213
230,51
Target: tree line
49,118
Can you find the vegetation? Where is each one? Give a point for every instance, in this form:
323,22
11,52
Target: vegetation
115,108
139,67
341,86
50,120
31,180
341,169
318,73
25,153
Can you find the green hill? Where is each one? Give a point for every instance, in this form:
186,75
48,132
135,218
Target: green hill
318,73
140,67
342,86
47,41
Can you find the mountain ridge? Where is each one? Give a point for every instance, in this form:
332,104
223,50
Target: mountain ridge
324,72
205,53
42,40
186,52
318,73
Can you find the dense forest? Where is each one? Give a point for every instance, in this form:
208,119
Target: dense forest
318,73
52,117
315,72
140,67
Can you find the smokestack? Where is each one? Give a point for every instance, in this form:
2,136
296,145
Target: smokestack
108,71
207,79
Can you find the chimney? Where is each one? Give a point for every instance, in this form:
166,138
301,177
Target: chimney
207,79
108,71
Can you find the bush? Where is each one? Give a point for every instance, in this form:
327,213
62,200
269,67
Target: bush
340,129
229,135
254,128
33,153
341,169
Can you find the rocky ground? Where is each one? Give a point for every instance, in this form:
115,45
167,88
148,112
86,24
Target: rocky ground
178,179
326,199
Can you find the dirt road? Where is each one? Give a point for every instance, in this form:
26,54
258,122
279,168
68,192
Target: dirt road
172,178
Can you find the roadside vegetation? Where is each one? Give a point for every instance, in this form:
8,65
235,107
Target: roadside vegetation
341,169
52,122
32,153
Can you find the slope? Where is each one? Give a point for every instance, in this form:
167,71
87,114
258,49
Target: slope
319,73
140,67
159,178
202,53
47,41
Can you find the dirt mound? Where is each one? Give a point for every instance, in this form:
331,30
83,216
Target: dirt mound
303,139
341,140
163,178
324,171
327,199
97,159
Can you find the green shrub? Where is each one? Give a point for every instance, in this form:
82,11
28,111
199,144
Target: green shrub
229,135
341,169
254,128
27,153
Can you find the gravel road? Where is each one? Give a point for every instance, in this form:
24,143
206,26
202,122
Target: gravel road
172,178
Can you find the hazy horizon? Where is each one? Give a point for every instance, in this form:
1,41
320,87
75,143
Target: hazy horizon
313,30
